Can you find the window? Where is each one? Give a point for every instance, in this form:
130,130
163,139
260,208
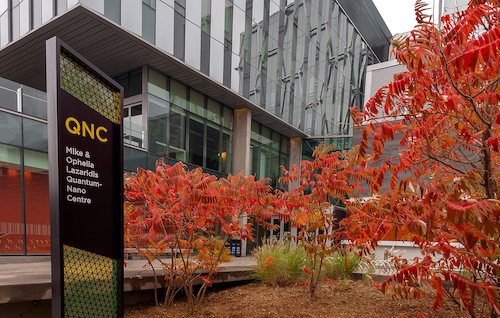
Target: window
133,131
148,20
131,82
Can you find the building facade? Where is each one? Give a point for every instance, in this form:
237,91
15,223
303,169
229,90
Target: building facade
226,85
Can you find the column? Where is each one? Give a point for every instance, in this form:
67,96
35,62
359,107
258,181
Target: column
241,140
241,151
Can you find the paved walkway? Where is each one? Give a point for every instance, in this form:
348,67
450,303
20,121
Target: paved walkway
28,278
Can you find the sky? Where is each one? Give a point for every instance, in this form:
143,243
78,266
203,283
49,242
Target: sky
399,15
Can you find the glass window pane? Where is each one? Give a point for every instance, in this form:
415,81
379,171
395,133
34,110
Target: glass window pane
34,102
157,84
148,22
226,152
133,130
133,158
151,3
134,83
276,140
11,234
264,163
254,151
274,167
8,94
152,159
35,135
213,111
10,129
213,146
178,94
197,103
285,145
205,15
266,135
158,126
196,140
228,117
131,82
36,188
180,29
112,10
255,135
228,24
177,133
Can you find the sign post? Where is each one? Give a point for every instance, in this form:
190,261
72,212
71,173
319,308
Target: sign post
86,186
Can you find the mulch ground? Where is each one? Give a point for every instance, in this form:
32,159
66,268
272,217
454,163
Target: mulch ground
345,299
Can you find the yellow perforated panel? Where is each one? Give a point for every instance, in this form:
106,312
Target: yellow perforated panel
88,87
91,285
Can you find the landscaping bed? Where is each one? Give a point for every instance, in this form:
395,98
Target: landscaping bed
345,298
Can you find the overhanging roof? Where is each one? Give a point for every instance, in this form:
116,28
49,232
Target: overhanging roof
116,50
371,25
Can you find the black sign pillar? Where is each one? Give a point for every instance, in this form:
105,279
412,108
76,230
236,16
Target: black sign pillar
86,186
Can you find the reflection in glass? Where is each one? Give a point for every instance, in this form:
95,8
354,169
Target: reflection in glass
157,84
213,146
226,152
35,135
148,23
36,188
133,158
213,111
196,140
112,10
11,227
205,15
177,133
196,103
133,131
158,126
268,152
131,82
178,94
34,102
10,129
8,94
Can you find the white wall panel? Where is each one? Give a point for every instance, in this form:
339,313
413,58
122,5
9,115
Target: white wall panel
47,10
24,19
193,45
165,25
4,29
217,20
193,12
97,5
216,60
72,3
132,15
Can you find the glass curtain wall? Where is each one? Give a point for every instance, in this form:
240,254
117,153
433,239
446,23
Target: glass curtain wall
303,61
24,194
339,143
269,151
186,125
183,125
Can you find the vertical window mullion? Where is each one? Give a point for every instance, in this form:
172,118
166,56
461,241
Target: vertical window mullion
23,192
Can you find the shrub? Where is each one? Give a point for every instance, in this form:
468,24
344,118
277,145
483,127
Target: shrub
338,266
279,263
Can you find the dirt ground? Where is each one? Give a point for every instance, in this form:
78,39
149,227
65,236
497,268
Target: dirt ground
339,300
